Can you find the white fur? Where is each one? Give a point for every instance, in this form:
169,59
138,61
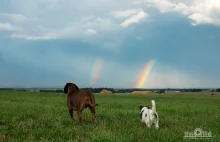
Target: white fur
148,116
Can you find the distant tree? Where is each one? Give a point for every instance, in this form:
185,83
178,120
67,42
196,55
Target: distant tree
161,91
59,91
196,90
218,90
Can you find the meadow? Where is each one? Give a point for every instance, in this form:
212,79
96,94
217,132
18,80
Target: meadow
34,116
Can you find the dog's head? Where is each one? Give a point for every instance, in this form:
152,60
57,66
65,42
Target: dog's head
70,87
140,107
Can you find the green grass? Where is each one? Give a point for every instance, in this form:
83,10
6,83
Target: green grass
26,116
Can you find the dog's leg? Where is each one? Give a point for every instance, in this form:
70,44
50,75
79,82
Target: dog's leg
92,109
79,115
156,124
147,123
71,113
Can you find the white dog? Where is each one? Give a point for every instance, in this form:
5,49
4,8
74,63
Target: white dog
149,116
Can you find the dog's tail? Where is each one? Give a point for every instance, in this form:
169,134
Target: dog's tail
91,99
153,105
93,105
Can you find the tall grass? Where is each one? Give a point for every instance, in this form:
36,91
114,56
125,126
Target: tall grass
32,116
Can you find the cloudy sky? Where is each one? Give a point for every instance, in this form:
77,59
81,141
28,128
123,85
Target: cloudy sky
107,43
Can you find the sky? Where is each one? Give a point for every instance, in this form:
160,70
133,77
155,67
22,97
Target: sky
108,43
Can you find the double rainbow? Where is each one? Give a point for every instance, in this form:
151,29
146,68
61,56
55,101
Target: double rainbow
98,65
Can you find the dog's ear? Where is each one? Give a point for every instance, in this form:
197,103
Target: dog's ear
141,107
65,89
76,87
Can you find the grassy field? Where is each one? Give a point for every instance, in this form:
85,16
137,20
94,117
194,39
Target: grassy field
32,116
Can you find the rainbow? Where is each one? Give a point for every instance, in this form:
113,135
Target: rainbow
145,73
96,70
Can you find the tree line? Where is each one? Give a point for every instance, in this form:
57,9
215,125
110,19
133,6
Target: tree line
113,90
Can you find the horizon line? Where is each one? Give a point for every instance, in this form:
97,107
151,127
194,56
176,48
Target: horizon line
114,87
